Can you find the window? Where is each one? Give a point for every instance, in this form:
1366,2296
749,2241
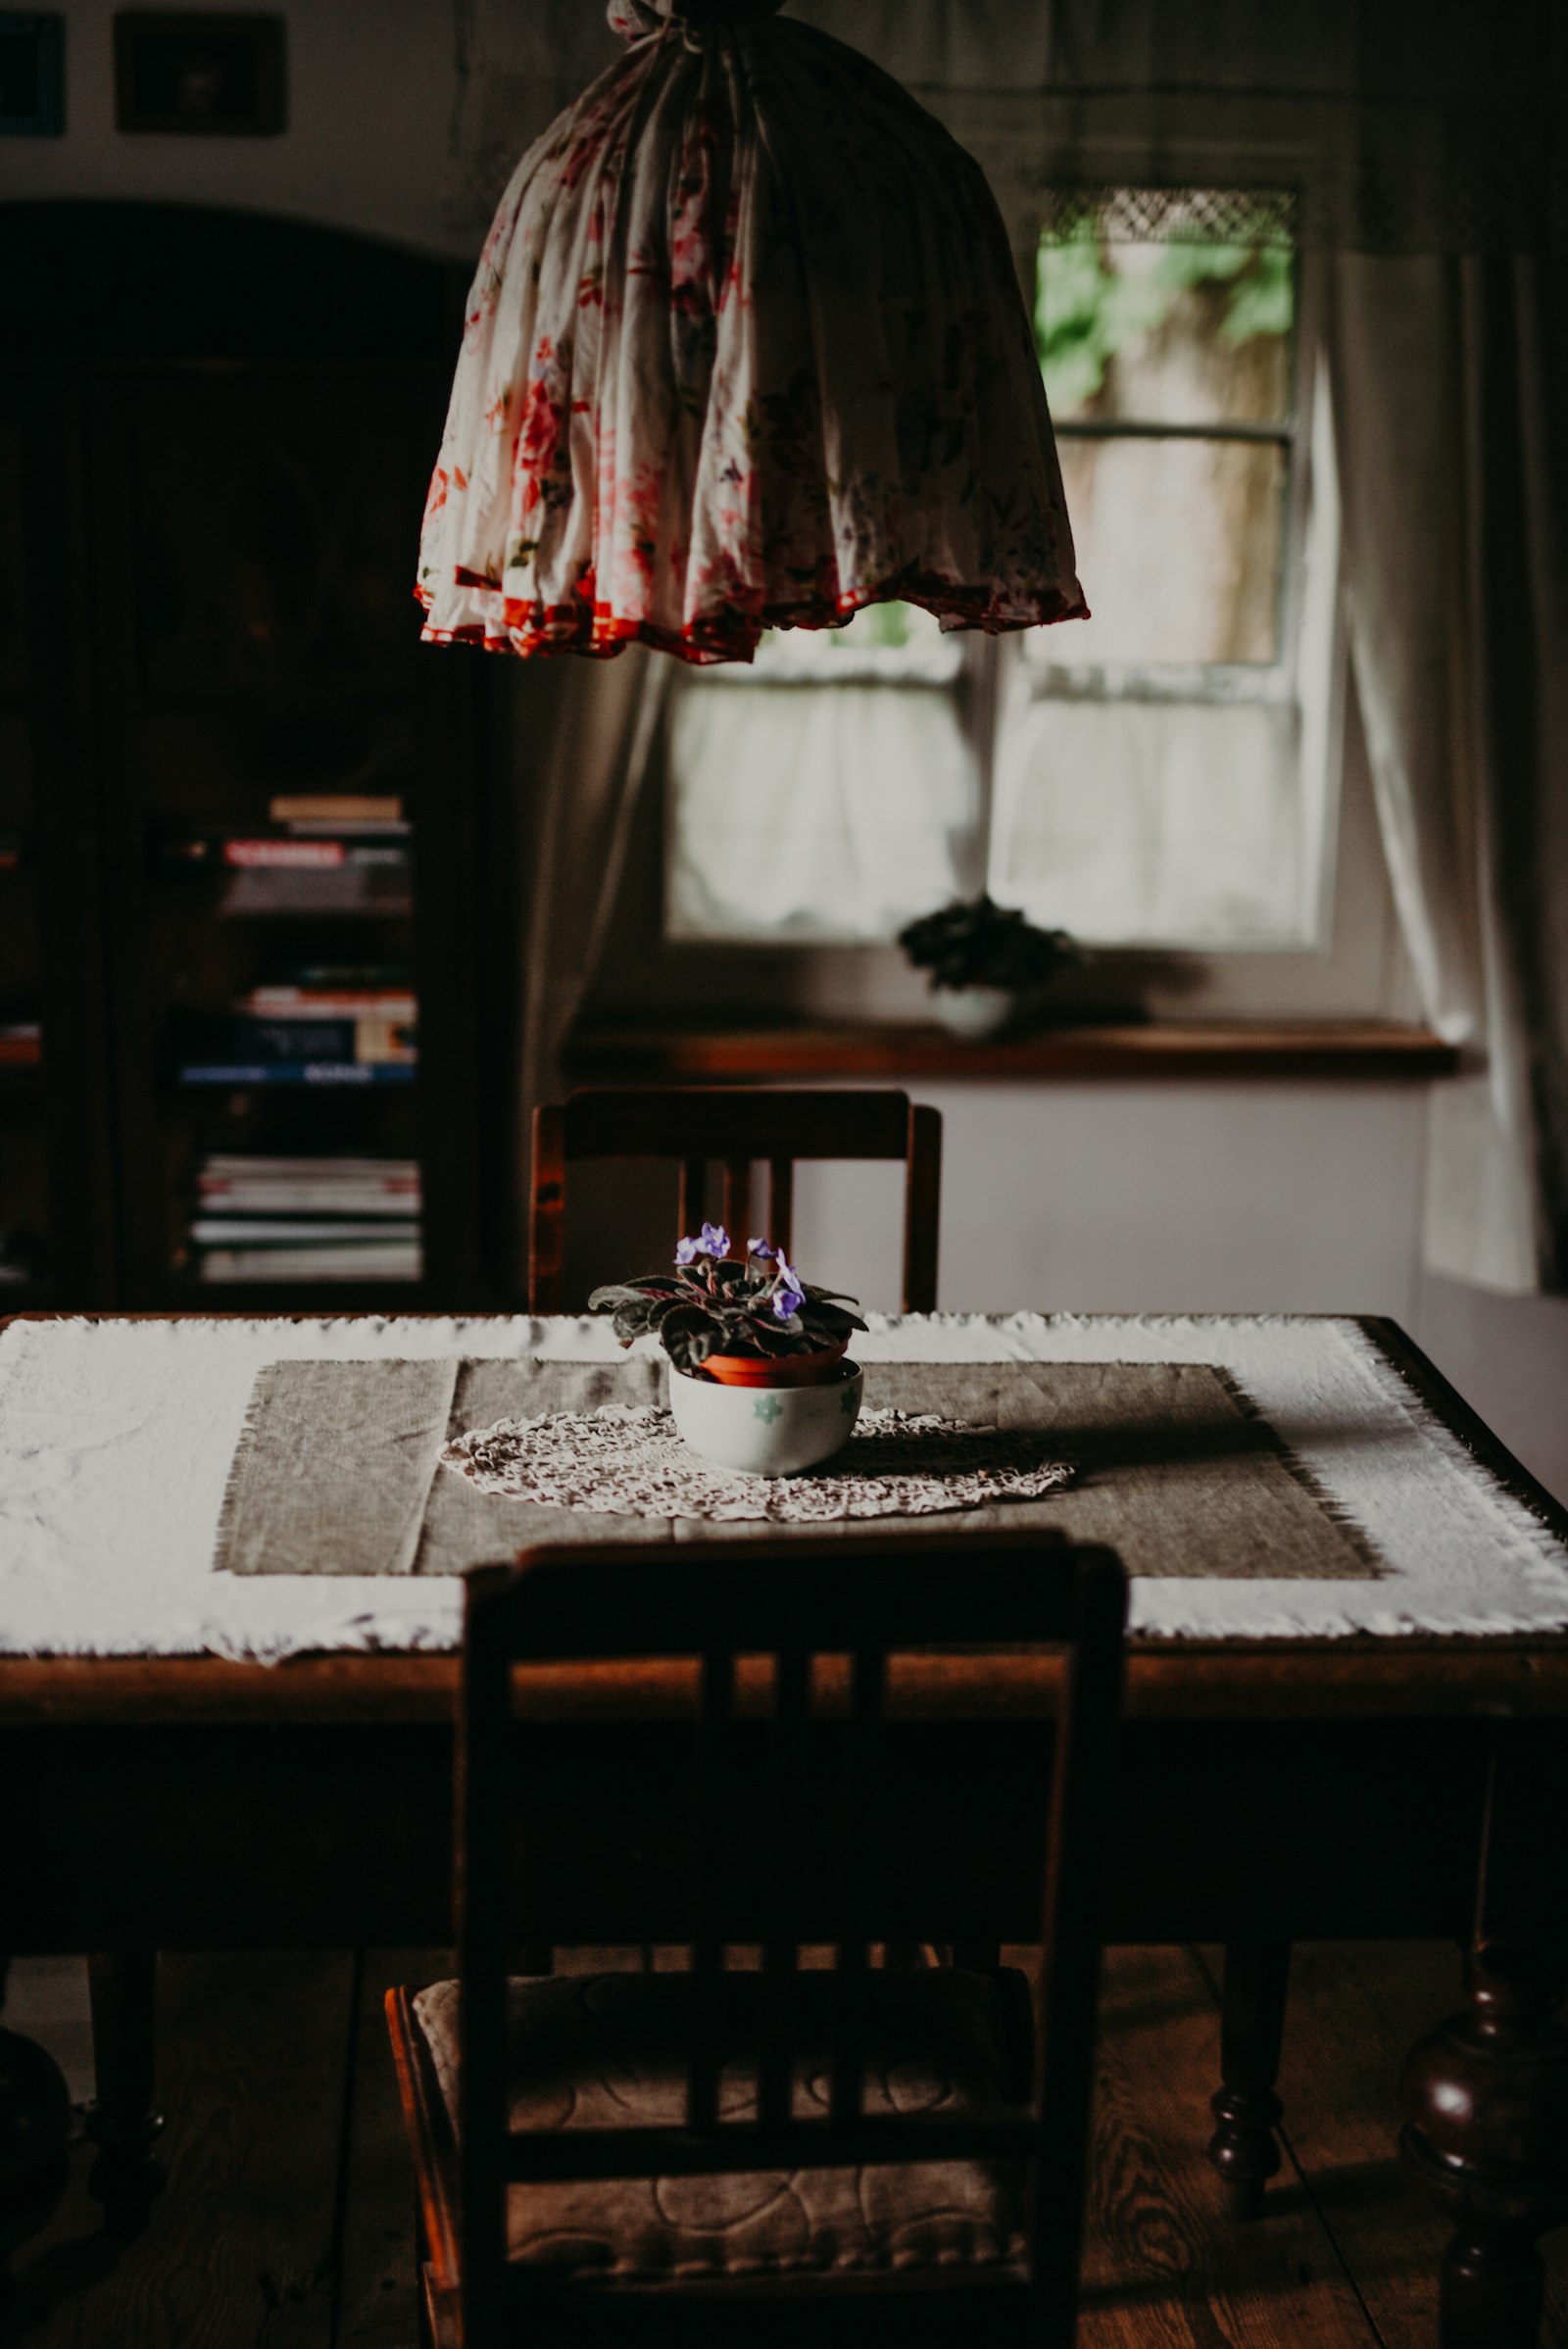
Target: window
1158,776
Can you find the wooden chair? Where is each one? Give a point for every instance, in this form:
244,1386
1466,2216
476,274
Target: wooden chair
738,1126
587,2148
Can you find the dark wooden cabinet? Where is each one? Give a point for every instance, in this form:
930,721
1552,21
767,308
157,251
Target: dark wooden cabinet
207,550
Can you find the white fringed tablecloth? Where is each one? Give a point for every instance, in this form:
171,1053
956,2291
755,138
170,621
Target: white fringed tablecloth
116,1438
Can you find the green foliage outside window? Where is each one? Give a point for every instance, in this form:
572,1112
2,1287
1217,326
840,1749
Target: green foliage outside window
875,629
885,624
1085,313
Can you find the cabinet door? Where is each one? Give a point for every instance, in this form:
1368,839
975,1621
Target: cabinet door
55,1195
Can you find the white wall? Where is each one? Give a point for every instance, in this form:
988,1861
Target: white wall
372,86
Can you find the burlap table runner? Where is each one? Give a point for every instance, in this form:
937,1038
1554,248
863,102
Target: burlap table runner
337,1471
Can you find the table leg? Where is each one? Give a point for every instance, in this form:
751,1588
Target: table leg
125,2121
34,2131
1244,2148
1485,2104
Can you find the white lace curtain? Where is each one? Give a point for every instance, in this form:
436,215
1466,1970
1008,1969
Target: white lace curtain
1451,395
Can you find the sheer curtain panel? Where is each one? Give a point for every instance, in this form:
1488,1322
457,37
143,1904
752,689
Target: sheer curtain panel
1451,391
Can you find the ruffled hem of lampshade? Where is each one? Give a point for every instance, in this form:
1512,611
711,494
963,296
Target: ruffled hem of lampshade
479,614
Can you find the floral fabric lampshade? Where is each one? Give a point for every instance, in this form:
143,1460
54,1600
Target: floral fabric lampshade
746,349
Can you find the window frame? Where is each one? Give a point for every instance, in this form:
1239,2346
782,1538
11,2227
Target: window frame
1213,684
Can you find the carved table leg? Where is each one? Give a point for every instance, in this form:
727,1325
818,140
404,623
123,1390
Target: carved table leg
34,2131
124,2123
1244,2149
1485,2104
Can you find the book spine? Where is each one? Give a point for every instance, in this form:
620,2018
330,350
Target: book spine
298,1003
336,808
312,855
266,1231
317,1040
292,1040
282,1201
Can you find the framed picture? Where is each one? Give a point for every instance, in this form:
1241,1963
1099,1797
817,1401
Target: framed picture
177,70
32,79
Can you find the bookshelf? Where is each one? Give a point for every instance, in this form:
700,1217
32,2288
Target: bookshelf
269,1022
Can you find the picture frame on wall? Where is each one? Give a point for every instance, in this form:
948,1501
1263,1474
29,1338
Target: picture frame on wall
32,74
199,72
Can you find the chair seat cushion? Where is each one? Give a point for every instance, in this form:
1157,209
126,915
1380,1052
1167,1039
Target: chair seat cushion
609,2050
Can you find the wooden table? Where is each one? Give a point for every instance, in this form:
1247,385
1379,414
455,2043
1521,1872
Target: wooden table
1268,1792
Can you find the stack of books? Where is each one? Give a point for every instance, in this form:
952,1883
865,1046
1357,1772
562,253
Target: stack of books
320,853
324,1024
307,1218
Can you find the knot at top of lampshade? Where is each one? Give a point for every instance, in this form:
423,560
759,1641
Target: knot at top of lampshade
635,20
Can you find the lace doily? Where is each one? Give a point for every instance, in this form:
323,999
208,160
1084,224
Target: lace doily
629,1463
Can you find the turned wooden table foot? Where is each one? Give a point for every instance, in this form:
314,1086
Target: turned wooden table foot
1244,2148
124,2123
1485,2104
34,2131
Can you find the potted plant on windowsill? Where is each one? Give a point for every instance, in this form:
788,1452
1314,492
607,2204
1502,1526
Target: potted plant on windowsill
758,1378
982,957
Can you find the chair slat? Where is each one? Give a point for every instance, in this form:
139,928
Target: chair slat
781,1202
721,1121
859,1845
709,1782
784,1858
916,1591
922,1210
692,1205
737,1201
547,1214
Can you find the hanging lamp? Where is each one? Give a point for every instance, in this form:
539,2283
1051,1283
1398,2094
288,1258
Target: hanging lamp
746,349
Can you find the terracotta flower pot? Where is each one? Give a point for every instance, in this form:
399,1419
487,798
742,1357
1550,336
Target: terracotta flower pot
776,1370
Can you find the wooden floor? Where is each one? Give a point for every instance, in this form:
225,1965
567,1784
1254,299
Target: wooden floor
286,2219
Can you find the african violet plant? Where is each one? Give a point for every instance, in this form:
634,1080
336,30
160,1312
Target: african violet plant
714,1303
976,943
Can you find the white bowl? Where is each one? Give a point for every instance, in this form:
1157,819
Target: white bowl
974,1011
766,1431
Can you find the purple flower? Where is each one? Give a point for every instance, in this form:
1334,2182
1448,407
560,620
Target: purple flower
761,1248
714,1241
790,1295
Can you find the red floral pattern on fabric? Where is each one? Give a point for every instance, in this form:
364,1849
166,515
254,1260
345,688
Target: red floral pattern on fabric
744,350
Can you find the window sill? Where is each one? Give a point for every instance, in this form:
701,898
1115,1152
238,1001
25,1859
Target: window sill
1384,1049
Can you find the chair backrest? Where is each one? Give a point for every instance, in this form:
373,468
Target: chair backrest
737,1126
818,1618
